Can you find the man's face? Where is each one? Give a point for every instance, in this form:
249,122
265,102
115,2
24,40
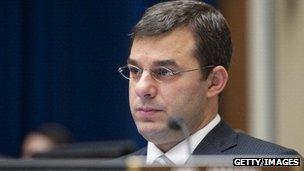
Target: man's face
184,95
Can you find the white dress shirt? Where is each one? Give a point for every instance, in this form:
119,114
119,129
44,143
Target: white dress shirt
179,154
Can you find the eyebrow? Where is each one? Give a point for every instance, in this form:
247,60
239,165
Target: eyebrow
131,61
167,62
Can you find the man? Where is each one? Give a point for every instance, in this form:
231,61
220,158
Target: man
177,68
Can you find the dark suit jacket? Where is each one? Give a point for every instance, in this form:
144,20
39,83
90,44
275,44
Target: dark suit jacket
224,140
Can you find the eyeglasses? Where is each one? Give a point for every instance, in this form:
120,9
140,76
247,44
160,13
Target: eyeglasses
159,73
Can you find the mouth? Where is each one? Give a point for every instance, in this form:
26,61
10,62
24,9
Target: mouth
147,112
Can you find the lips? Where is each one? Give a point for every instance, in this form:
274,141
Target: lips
147,112
147,109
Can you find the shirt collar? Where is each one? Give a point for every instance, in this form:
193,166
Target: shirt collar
179,153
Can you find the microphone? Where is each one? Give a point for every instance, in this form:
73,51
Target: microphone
178,124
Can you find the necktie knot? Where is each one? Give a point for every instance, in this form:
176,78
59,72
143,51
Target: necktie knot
162,161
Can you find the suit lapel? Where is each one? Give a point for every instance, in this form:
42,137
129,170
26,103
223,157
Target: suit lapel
217,141
141,152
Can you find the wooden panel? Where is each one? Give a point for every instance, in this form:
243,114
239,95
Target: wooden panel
233,105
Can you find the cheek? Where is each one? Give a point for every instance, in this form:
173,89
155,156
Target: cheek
197,96
131,91
131,97
184,98
186,89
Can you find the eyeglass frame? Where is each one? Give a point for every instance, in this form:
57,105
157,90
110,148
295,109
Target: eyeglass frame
154,74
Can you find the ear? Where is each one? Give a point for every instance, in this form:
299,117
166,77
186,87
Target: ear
217,81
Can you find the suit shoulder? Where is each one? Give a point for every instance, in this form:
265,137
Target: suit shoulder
251,145
140,152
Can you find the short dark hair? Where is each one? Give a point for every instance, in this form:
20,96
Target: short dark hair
57,133
210,29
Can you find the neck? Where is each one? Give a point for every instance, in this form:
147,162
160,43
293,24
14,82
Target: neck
207,116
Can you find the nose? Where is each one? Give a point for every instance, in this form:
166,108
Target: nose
146,87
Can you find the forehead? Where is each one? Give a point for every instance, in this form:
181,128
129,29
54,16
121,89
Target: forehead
174,47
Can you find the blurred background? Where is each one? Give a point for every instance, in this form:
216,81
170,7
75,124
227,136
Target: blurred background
59,61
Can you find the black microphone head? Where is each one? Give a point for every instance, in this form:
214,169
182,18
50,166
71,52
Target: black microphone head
175,123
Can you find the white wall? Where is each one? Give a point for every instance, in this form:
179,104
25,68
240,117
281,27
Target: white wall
290,73
276,71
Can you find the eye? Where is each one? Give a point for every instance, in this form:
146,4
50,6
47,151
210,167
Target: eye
134,70
163,72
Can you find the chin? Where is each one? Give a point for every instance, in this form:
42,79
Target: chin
148,128
157,134
151,131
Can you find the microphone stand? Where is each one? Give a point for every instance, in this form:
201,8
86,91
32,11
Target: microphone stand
178,124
